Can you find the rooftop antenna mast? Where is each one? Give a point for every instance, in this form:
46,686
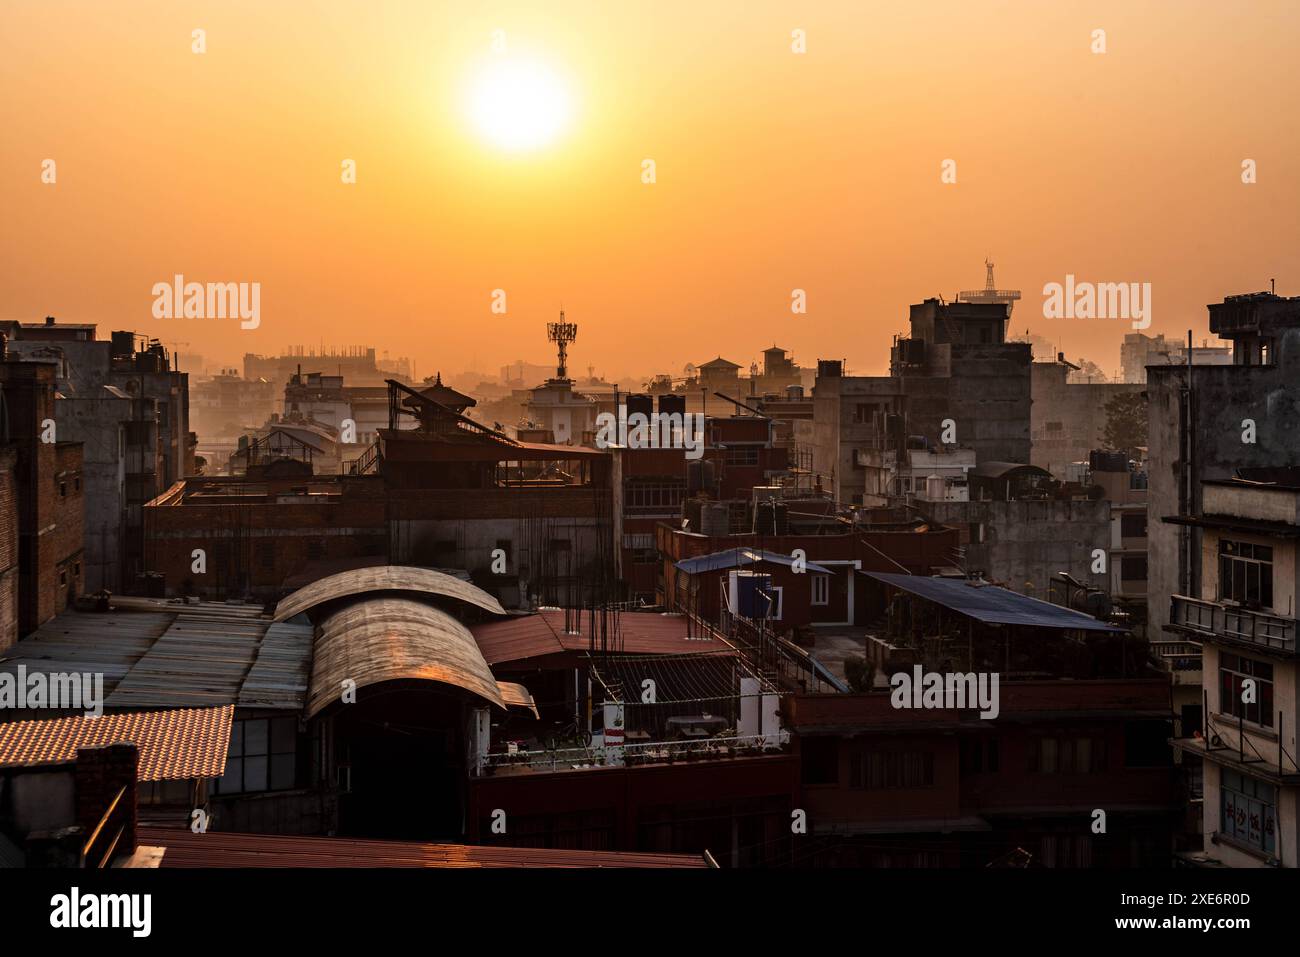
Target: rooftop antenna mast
991,293
562,333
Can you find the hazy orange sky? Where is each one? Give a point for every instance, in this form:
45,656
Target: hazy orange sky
775,170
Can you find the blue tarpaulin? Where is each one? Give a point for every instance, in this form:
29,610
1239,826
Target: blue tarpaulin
738,557
992,604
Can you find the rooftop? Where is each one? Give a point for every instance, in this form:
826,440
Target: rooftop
160,847
175,745
555,632
992,604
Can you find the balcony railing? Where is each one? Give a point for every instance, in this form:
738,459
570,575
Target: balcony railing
562,759
1218,620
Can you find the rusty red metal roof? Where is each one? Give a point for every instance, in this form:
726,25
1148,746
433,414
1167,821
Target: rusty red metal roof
174,745
543,633
218,849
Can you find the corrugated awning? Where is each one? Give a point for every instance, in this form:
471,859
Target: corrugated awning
385,578
992,604
395,639
739,557
517,696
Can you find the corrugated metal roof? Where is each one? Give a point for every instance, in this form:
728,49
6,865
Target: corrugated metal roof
738,557
394,639
218,849
107,644
385,578
992,604
279,676
536,635
517,696
174,745
181,655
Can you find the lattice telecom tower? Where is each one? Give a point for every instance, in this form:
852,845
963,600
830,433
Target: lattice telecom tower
991,293
562,333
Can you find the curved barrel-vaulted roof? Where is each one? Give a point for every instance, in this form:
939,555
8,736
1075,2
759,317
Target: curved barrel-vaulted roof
385,578
395,639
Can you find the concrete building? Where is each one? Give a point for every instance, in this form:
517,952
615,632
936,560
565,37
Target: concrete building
954,379
9,574
447,493
224,405
925,474
1207,421
49,493
1139,351
1241,611
124,400
356,364
1067,419
1082,723
565,416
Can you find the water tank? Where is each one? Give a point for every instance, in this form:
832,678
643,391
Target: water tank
934,488
640,403
794,392
830,368
1094,603
699,476
715,519
123,343
672,404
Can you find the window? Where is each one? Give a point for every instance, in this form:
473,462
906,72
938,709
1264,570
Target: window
891,770
658,494
821,589
820,760
1246,573
746,455
1146,744
978,756
1067,754
1233,671
1248,811
1133,568
63,490
262,756
1133,525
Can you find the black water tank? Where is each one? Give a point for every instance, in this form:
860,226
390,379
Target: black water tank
640,403
670,404
123,343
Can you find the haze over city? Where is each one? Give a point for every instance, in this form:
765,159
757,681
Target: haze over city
774,172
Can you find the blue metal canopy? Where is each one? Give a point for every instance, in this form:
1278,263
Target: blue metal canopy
992,604
738,557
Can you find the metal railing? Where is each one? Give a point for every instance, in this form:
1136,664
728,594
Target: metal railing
1229,621
105,834
729,746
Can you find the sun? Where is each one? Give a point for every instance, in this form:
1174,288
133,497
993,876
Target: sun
519,104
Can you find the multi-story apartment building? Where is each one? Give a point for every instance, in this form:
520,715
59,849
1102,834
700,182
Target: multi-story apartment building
1242,612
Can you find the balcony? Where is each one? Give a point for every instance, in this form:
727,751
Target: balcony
1234,624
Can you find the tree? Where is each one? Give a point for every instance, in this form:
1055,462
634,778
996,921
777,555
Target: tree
1126,422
